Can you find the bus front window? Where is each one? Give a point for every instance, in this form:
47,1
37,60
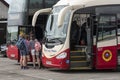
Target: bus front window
53,32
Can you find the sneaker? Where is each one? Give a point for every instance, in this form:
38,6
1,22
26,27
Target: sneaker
25,67
39,67
21,67
34,67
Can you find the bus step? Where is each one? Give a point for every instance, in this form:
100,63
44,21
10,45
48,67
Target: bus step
79,63
77,53
80,68
118,68
79,47
77,58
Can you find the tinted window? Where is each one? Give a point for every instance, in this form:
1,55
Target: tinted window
36,4
50,3
118,30
106,27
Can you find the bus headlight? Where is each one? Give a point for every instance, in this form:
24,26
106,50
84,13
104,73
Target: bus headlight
62,55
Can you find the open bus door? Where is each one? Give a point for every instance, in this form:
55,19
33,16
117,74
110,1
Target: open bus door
106,57
81,44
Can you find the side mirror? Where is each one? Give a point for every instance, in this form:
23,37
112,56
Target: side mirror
42,11
61,15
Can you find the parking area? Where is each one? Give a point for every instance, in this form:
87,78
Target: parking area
10,70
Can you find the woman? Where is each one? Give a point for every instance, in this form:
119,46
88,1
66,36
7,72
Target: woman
23,51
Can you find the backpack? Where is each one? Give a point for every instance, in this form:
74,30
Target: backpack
20,44
37,46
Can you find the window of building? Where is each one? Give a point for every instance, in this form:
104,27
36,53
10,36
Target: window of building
18,6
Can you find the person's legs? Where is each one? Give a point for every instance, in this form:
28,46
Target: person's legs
38,59
24,61
33,57
21,61
27,59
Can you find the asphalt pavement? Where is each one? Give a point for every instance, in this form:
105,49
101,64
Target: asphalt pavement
10,70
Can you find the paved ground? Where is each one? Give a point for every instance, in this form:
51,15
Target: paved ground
10,70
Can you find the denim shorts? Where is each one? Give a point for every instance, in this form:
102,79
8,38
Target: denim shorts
23,53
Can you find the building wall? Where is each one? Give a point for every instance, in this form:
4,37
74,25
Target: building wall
3,22
3,11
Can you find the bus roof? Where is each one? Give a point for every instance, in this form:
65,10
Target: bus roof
71,2
87,3
102,2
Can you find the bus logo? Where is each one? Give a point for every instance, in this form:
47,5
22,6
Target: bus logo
107,55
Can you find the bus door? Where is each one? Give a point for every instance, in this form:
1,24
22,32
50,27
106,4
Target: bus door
106,56
118,36
81,42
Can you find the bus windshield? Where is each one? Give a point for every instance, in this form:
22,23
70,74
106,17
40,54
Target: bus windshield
52,30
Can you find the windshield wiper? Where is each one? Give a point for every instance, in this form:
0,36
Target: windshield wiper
56,39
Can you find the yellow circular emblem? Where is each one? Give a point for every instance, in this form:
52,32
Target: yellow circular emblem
107,55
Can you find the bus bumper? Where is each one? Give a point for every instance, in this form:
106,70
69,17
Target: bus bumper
61,64
57,63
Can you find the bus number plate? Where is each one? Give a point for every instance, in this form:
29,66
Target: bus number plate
48,62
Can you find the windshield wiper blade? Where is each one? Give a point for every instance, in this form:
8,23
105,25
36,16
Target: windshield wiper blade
58,39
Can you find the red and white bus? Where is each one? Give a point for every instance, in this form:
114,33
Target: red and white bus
82,34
